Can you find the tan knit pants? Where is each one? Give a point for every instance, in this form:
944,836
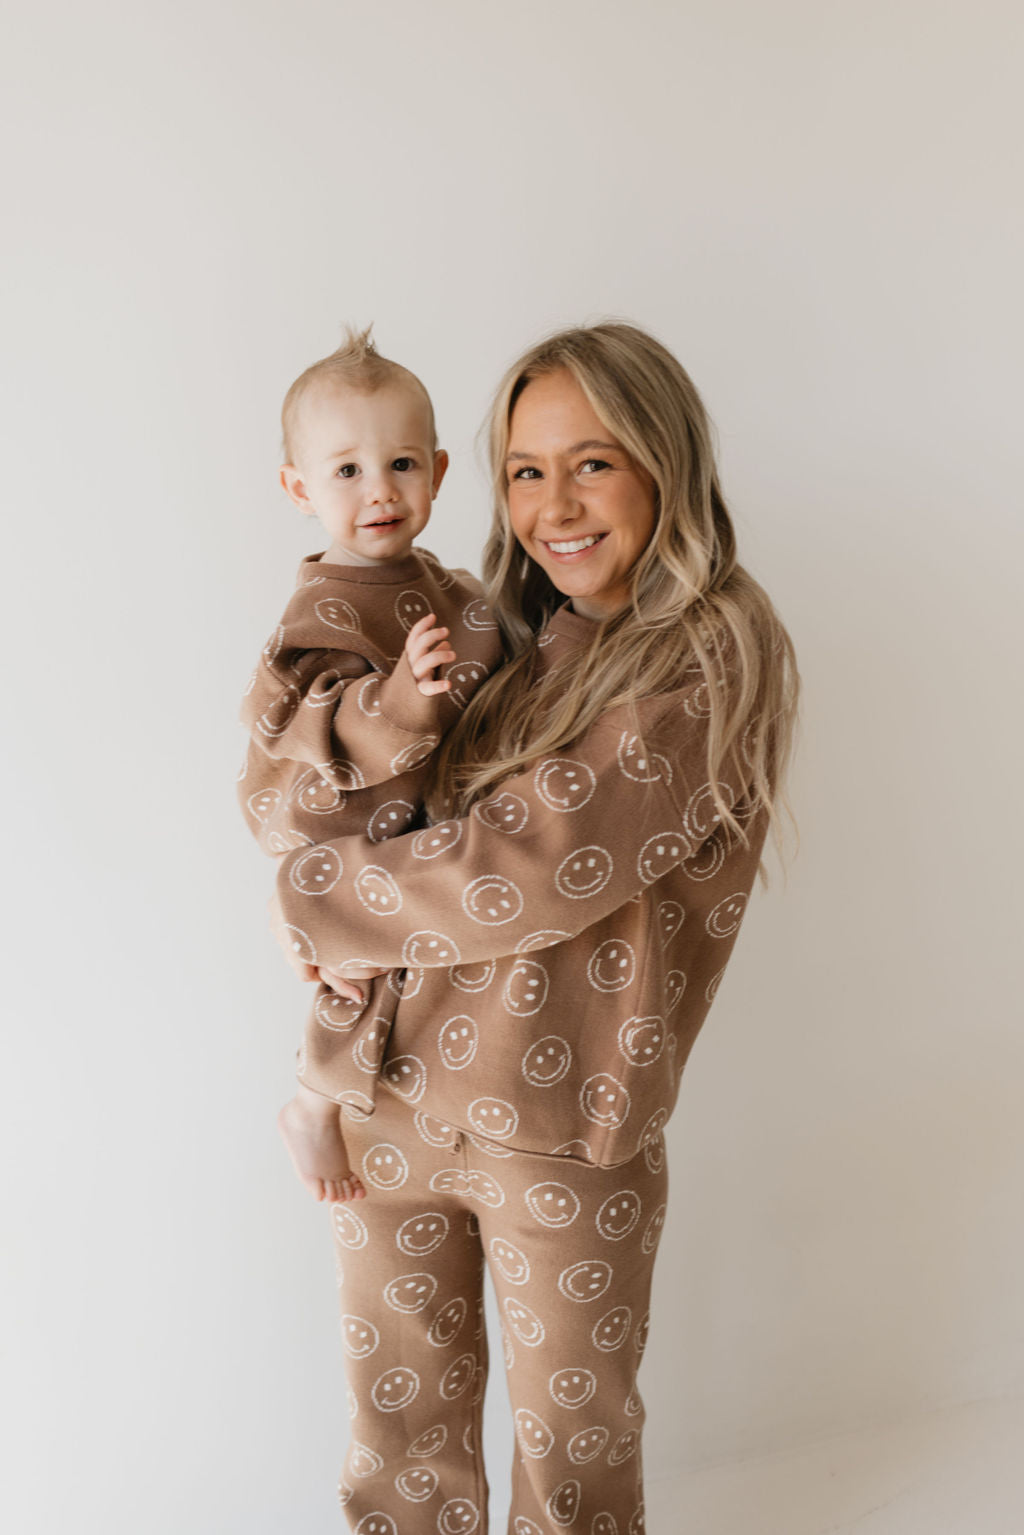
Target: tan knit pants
571,1250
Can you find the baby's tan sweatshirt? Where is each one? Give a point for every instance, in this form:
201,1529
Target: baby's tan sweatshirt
565,940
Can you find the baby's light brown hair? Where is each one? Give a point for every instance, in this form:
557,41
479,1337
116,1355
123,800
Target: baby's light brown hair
355,364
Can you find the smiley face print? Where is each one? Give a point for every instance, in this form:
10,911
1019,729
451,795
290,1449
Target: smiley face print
362,1461
670,919
584,873
389,820
349,1228
458,1377
417,1483
274,721
426,949
618,1215
410,1293
675,986
641,766
475,977
422,1234
726,917
344,774
369,1047
317,795
368,695
395,1389
300,943
526,989
406,1075
359,1338
535,1438
477,614
572,1388
410,607
493,1117
552,1204
585,1281
430,1442
587,1444
702,816
611,1332
511,1262
385,1167
412,755
376,1524
623,1448
612,965
448,1322
337,614
641,1040
653,1230
563,784
459,1516
337,1013
660,854
261,806
524,1322
432,841
457,1042
547,1061
378,891
522,1525
564,1503
503,812
465,677
605,1101
492,899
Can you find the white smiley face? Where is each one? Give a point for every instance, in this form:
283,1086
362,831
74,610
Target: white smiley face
432,841
465,677
406,1075
702,816
660,854
349,1228
584,873
487,1189
324,689
587,1445
493,1117
524,1322
542,939
427,949
376,1524
413,755
564,784
287,841
585,1281
300,943
410,607
458,1516
359,1338
317,795
345,1493
706,863
604,1100
492,899
430,1441
726,917
422,1234
262,805
474,977
395,1389
640,1339
535,1438
670,919
409,1293
369,1047
385,1167
274,721
389,820
552,1204
434,1132
378,891
564,1503
640,765
612,965
337,614
477,614
641,1040
653,1230
526,989
368,696
675,985
448,1323
510,1261
417,1483
342,773
612,1330
457,1042
337,1013
572,1388
633,1406
618,1215
503,812
548,1061
623,1448
523,1526
711,989
458,1377
362,1461
272,649
491,1148
652,1129
354,1104
654,1154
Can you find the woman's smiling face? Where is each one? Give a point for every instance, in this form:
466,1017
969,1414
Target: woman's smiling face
580,506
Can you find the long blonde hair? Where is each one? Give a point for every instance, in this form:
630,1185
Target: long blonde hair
693,607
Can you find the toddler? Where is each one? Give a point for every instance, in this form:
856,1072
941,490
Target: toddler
376,652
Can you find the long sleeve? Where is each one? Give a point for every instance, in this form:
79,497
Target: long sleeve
550,853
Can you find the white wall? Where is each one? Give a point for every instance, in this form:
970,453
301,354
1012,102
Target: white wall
817,207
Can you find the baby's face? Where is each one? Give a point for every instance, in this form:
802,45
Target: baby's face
366,469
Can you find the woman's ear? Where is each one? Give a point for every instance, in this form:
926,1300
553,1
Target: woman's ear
440,466
294,487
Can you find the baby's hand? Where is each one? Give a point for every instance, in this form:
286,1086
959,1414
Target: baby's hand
425,650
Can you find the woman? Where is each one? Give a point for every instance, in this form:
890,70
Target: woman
598,819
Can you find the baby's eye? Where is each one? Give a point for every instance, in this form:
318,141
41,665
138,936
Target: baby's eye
346,471
401,464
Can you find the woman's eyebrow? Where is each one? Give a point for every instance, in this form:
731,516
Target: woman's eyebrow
577,447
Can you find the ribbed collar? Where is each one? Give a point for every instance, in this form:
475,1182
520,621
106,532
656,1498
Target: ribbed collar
408,568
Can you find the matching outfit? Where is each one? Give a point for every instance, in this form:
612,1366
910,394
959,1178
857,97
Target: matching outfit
341,741
562,946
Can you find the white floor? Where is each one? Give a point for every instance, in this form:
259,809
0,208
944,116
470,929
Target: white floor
956,1472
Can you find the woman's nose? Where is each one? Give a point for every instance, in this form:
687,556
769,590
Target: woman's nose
561,502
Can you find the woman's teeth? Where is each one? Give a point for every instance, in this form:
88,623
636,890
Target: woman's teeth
572,546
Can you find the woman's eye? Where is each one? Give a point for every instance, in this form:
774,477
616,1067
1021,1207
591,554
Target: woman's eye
595,463
401,464
527,472
346,471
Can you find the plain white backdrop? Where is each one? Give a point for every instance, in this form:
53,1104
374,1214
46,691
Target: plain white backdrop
817,206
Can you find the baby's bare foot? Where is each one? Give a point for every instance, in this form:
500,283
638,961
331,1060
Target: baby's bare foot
311,1129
